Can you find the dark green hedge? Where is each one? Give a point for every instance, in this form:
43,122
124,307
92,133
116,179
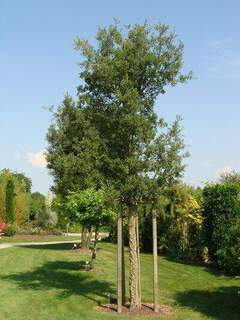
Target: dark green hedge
221,210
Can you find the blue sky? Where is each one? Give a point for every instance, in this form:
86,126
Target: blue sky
38,65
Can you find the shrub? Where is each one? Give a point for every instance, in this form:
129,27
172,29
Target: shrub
221,213
31,230
47,218
229,257
11,230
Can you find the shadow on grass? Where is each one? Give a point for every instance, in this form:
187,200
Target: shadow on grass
52,246
210,268
221,304
64,276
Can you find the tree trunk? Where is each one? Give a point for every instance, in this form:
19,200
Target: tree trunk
120,261
84,238
89,237
135,302
155,260
94,249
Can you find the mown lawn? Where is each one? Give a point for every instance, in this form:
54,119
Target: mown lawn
37,238
44,283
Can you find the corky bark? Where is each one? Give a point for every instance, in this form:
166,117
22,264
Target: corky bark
135,302
139,261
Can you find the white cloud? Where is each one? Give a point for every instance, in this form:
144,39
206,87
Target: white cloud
37,159
18,155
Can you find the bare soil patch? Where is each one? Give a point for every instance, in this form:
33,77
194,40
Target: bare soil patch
146,310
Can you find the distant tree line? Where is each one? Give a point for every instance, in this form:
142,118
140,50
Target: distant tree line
19,207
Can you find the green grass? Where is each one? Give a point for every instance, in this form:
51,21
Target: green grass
45,283
36,238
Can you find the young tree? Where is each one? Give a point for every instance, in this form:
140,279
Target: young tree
121,79
89,207
10,201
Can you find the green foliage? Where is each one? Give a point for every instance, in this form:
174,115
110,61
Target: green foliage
228,257
11,230
117,143
221,212
179,223
47,219
33,230
25,182
89,207
230,177
9,202
21,195
73,150
179,220
37,205
122,78
166,154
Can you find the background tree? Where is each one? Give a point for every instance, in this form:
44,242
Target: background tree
37,205
230,177
48,218
25,181
21,194
10,202
121,79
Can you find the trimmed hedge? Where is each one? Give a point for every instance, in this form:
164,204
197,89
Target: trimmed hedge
221,213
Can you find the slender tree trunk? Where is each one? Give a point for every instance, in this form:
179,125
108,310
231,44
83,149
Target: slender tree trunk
94,249
84,238
135,302
155,260
89,237
120,261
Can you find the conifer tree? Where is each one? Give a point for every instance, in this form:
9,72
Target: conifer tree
10,202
